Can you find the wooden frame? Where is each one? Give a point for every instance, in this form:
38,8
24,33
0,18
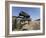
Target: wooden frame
7,18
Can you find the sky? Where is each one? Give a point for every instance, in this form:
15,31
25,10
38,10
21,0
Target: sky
32,11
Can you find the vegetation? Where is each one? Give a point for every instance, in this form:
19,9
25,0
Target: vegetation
24,14
14,26
18,26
